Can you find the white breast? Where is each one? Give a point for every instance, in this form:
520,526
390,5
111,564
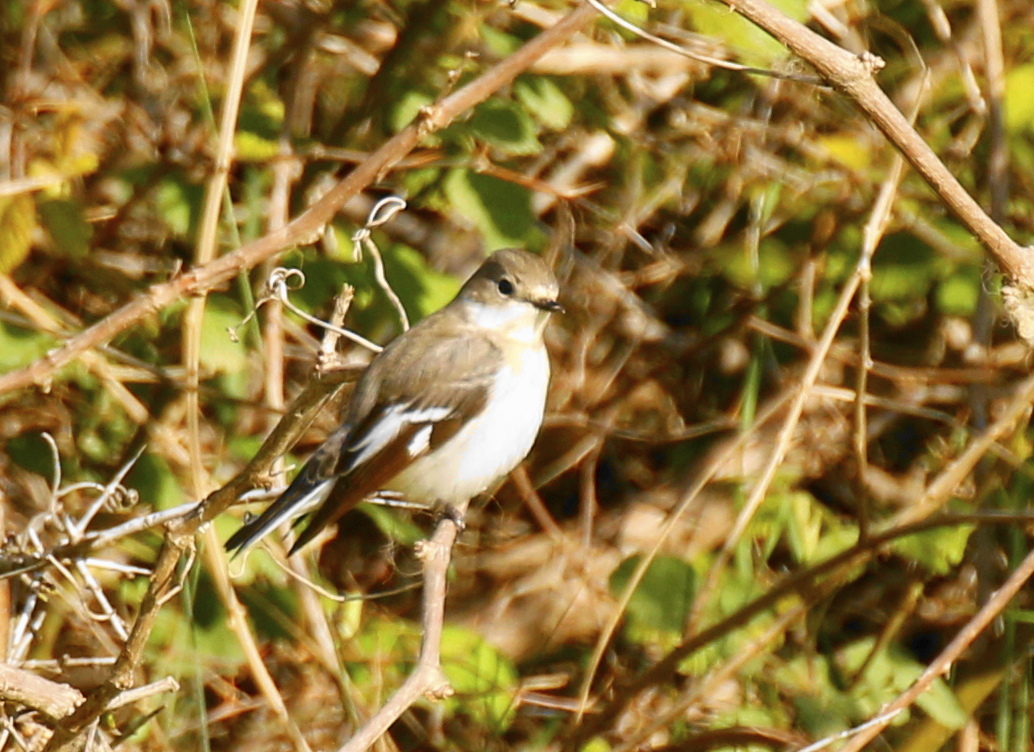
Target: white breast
490,445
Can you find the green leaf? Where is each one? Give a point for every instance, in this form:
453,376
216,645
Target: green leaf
32,452
263,111
396,527
19,347
484,680
596,744
663,598
958,294
176,643
506,127
155,481
499,209
635,11
423,290
942,705
545,101
804,526
837,539
251,147
407,108
219,352
774,266
17,221
66,225
819,707
846,149
386,639
891,671
178,203
749,42
499,43
903,269
938,550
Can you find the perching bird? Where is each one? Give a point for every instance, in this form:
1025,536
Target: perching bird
443,412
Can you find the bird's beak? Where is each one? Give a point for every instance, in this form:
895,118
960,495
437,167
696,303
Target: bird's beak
548,305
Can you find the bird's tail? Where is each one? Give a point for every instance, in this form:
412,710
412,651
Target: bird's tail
304,494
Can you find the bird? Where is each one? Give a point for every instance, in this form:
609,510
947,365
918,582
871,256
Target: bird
443,413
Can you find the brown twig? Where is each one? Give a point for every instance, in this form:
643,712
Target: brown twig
53,699
936,494
238,623
943,662
684,504
940,489
873,232
427,678
994,65
179,539
199,482
709,685
783,439
56,700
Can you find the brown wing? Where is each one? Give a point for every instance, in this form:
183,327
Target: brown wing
442,361
362,482
435,387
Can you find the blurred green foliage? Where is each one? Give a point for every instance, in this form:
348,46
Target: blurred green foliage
706,203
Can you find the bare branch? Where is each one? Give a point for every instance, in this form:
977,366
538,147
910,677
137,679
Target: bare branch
52,699
954,650
853,75
427,678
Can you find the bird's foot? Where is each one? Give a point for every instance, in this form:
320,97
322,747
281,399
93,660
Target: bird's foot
455,516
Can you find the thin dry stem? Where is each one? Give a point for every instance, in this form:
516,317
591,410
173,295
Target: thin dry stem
207,241
685,502
782,442
994,70
238,624
940,490
54,699
381,213
427,677
708,685
57,701
310,223
700,58
951,653
872,233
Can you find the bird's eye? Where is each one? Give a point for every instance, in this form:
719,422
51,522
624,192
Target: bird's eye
505,286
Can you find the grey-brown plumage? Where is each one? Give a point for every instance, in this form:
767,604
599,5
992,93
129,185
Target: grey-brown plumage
413,424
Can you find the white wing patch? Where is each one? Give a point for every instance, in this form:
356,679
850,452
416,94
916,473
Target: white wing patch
420,442
391,423
487,447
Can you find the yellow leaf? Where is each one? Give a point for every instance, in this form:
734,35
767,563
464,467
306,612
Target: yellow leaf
847,150
17,221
